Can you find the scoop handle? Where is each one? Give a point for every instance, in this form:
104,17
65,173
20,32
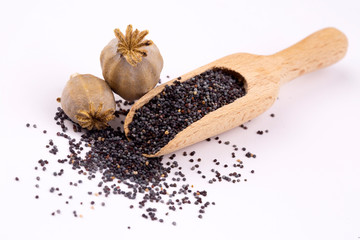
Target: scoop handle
320,49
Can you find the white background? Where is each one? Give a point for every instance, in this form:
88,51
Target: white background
307,171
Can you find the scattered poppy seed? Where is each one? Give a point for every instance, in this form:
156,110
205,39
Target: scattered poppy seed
123,169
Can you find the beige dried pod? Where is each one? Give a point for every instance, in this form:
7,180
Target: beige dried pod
88,101
131,65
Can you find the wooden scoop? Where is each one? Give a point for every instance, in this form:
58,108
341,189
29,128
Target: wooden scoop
263,75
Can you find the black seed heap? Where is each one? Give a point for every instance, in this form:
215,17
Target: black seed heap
123,169
182,104
114,156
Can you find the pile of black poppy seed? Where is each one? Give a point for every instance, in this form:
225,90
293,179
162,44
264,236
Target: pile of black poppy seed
181,104
124,171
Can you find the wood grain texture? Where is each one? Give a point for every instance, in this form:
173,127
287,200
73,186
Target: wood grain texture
263,75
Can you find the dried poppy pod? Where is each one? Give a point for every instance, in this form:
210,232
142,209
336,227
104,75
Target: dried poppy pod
88,101
130,64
